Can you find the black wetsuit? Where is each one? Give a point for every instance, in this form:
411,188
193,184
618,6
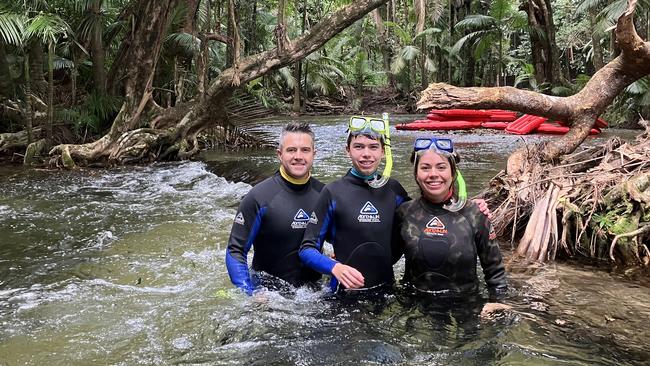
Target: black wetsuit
442,246
272,218
359,223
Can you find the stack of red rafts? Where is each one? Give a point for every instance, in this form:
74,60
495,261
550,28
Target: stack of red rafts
463,119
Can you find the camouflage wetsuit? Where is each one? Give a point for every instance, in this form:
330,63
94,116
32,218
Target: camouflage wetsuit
359,223
272,218
442,246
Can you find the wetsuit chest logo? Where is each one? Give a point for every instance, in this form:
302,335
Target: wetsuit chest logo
300,220
435,226
239,219
313,219
369,213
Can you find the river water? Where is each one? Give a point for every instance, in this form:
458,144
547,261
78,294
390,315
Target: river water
126,267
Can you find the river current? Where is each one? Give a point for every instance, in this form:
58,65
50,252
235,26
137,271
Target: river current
126,267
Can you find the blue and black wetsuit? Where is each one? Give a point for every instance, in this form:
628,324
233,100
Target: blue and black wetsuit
441,248
272,217
359,223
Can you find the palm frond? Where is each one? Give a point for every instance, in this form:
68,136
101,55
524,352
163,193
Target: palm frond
430,65
484,44
12,27
288,78
410,53
103,106
500,9
427,32
397,64
323,83
47,27
638,87
477,21
613,11
88,23
586,5
435,10
61,63
185,41
461,42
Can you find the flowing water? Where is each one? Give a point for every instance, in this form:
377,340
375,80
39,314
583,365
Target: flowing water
126,267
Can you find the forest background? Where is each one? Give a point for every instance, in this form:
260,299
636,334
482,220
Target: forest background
72,71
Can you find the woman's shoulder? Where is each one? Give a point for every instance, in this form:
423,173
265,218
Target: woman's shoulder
473,214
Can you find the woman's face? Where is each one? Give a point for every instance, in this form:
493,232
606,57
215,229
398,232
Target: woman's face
433,175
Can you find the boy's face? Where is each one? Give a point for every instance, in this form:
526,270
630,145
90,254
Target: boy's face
365,154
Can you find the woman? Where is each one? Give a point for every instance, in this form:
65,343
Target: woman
443,233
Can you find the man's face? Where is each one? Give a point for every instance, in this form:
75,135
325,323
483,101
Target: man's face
365,154
296,154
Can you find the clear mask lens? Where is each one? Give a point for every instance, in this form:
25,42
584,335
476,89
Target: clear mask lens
363,123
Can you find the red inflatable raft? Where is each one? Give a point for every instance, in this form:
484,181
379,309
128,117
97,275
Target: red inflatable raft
525,124
439,125
560,130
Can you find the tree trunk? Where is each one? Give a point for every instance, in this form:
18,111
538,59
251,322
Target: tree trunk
171,137
203,59
386,52
544,49
423,60
452,24
192,7
597,57
97,51
6,83
39,85
29,111
50,92
296,87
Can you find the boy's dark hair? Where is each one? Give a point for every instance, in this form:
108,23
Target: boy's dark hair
372,137
296,127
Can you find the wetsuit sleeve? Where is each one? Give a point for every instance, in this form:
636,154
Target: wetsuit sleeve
490,257
397,242
311,249
242,235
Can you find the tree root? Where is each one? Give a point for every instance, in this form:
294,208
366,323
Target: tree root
636,233
578,203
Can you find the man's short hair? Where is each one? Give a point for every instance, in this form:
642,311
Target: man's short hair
295,127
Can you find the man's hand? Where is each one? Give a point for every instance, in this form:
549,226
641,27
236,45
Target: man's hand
482,205
348,276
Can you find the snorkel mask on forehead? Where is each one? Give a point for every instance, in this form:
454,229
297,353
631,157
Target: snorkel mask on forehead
379,128
444,147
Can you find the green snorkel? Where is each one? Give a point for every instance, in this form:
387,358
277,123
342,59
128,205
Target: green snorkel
458,201
385,175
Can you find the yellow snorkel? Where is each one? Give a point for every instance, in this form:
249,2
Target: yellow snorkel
385,175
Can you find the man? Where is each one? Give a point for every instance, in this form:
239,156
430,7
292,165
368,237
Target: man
357,219
273,216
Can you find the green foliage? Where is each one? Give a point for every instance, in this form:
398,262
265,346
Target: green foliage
48,28
93,116
12,27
